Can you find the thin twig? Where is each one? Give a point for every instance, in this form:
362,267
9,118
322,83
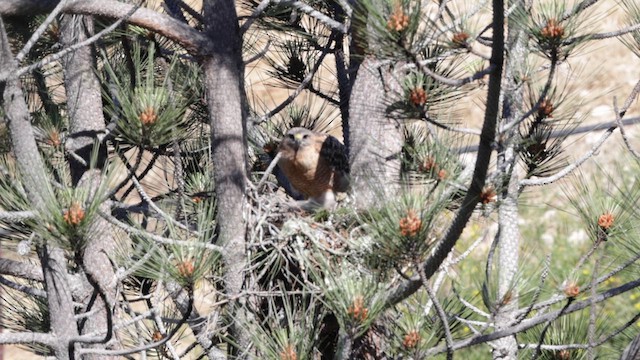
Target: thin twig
157,238
467,131
149,201
564,132
57,56
457,82
558,298
579,8
138,349
602,340
543,95
256,14
546,328
40,30
587,256
621,112
303,85
305,8
259,54
601,36
569,168
267,172
23,288
591,331
542,318
156,301
439,310
17,216
536,296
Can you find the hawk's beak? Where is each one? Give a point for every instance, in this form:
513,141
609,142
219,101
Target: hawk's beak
297,138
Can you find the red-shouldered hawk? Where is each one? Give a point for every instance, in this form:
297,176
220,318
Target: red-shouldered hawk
315,164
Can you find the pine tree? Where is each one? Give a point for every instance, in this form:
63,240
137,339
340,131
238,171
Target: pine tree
141,213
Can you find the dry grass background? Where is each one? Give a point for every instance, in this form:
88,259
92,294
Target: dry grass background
600,72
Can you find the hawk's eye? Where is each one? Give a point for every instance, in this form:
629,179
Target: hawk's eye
290,136
305,136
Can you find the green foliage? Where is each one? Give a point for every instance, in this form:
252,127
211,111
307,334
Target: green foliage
181,257
68,218
554,34
150,107
417,328
14,196
606,210
544,133
567,330
291,330
291,62
403,230
429,158
355,298
421,96
391,28
23,314
313,280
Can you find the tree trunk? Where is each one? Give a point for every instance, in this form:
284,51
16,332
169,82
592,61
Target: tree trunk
224,78
18,120
508,256
375,141
86,121
509,229
32,170
83,93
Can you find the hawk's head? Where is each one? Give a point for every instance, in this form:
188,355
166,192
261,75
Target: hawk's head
296,138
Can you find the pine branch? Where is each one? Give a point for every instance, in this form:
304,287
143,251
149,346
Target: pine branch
307,9
255,15
16,216
23,288
440,311
41,29
303,85
26,338
139,349
160,239
20,269
192,40
60,54
528,324
571,167
482,164
600,36
620,114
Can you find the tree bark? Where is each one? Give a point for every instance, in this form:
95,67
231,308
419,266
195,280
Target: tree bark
375,140
59,300
224,78
86,121
83,93
485,150
508,237
164,25
18,120
32,170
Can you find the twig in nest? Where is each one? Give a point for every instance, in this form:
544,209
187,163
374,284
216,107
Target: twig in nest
267,172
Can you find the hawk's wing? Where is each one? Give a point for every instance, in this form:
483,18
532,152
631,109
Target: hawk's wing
335,154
